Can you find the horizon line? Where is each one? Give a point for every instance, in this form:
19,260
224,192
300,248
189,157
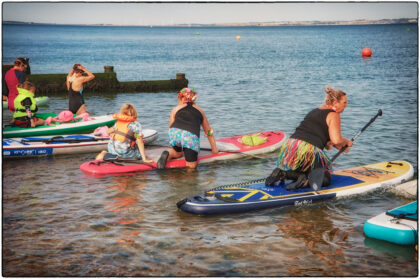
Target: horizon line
260,24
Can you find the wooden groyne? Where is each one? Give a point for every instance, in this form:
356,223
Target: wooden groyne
106,82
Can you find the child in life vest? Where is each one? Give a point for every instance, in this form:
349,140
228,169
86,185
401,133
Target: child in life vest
126,136
25,106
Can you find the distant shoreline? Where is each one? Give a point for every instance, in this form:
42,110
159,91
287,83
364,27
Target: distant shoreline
249,24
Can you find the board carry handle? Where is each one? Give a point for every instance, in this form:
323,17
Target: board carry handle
316,176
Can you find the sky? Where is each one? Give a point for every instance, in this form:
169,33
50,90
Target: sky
167,13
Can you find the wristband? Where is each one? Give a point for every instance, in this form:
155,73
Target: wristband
210,132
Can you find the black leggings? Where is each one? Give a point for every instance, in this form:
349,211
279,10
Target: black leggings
189,154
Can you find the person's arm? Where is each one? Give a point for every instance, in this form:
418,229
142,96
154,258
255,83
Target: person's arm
334,129
172,117
173,113
208,132
110,130
89,76
70,74
140,146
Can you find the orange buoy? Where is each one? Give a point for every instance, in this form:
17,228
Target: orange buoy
238,37
366,52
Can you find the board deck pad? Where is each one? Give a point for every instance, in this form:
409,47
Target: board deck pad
408,211
244,197
260,191
230,148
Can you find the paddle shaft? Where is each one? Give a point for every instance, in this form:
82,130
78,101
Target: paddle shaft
357,134
70,140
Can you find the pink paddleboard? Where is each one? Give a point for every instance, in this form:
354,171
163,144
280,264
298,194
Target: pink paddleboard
230,148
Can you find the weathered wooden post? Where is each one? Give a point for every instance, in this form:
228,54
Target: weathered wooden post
109,69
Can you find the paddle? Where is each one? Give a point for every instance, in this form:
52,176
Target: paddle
316,176
60,139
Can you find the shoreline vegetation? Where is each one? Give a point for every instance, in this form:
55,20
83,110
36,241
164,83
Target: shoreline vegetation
251,24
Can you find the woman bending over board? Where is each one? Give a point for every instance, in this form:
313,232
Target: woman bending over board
126,140
303,151
184,130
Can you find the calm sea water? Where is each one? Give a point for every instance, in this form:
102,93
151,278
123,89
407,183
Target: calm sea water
58,221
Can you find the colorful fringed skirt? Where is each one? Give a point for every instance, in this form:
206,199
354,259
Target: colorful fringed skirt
300,155
185,139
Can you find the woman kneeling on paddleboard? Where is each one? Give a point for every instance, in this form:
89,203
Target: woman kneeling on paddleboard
303,151
126,136
184,130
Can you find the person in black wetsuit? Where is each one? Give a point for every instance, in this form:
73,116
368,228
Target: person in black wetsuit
184,130
75,81
303,151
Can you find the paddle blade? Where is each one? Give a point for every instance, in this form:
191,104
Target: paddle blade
316,178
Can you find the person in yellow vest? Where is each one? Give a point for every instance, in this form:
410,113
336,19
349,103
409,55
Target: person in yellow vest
25,106
126,139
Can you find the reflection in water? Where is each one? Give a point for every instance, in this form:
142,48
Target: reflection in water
127,203
129,225
395,250
325,241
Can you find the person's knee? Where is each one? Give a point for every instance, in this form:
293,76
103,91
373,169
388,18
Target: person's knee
100,156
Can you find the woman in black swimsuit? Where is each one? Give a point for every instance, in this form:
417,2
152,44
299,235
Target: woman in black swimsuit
75,81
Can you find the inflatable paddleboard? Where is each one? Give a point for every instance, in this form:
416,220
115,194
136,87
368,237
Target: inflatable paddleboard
408,190
398,225
255,195
40,101
56,128
230,148
67,144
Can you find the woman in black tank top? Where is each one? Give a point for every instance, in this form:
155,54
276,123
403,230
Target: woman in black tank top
184,130
303,151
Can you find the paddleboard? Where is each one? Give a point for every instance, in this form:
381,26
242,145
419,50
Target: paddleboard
40,101
398,225
408,190
230,149
255,195
14,148
56,128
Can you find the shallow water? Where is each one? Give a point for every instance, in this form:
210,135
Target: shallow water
58,221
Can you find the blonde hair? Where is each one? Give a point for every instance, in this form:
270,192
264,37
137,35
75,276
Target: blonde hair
333,95
129,110
26,85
